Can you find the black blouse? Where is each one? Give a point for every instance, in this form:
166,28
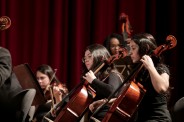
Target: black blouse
104,89
108,86
153,107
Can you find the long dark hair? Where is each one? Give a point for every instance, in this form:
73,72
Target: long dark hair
147,44
99,54
107,40
47,70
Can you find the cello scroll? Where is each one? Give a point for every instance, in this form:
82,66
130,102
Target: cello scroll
125,24
5,22
170,43
123,108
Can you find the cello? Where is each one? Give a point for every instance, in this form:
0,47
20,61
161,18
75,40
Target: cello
82,97
125,26
133,92
124,65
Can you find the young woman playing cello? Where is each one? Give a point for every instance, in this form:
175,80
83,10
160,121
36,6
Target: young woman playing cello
106,81
153,107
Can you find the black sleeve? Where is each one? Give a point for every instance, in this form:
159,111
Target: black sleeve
105,88
162,68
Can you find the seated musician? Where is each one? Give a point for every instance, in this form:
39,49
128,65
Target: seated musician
106,81
113,43
15,102
53,90
155,78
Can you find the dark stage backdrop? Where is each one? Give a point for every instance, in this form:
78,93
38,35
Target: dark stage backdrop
56,32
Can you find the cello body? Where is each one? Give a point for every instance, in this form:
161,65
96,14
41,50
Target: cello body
83,95
79,102
133,92
126,104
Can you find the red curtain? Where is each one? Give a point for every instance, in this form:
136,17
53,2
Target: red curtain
56,32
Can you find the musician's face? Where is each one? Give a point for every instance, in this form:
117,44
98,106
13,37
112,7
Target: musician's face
114,46
88,59
134,49
43,79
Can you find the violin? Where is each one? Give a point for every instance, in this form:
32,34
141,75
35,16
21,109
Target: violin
128,101
49,92
62,88
5,22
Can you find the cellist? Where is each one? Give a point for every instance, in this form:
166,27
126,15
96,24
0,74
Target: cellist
154,77
106,80
113,43
53,90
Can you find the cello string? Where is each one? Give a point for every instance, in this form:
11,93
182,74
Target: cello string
135,71
127,80
100,66
122,84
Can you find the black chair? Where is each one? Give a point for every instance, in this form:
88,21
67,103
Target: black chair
178,111
25,111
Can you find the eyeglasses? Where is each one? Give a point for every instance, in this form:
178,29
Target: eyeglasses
114,46
89,57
